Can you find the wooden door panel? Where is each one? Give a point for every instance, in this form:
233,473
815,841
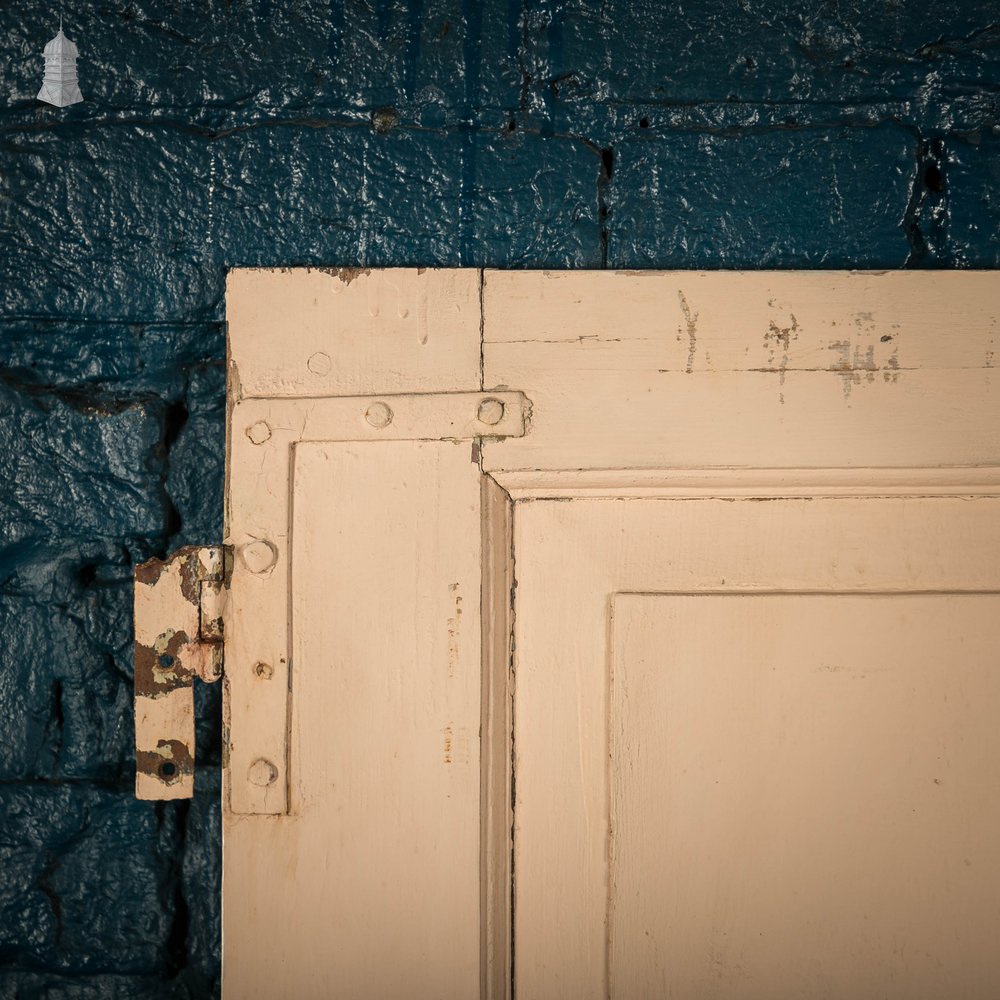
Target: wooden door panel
805,796
674,370
672,419
572,557
370,885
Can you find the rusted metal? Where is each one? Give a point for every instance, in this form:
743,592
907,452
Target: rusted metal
171,762
160,668
179,605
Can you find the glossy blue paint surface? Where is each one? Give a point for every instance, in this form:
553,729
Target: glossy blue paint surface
511,134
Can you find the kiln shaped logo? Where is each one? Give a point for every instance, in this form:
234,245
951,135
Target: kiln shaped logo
60,86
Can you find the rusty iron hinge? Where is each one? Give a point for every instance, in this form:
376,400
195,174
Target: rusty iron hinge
179,605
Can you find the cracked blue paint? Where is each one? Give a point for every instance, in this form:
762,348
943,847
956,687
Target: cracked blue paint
531,133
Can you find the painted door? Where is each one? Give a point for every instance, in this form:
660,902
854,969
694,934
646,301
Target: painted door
756,748
626,635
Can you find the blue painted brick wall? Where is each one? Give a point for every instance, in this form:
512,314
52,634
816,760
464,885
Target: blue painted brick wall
585,134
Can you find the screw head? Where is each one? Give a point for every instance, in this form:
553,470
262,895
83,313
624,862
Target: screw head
259,556
490,411
378,415
262,773
319,363
259,432
263,670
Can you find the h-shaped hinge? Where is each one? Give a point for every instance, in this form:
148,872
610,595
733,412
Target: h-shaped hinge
179,606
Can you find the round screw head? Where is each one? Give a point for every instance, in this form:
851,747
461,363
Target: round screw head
262,773
490,411
263,670
378,415
319,363
259,556
259,432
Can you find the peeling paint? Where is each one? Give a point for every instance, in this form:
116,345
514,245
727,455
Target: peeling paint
170,762
454,629
691,323
345,274
455,745
857,365
171,648
160,668
780,336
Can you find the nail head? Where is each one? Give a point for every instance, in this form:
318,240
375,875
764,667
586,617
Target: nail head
378,415
259,556
259,432
319,363
262,773
490,411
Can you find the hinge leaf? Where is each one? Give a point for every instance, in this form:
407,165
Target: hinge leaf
179,604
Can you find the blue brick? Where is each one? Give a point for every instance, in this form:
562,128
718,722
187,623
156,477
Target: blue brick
710,201
95,894
972,177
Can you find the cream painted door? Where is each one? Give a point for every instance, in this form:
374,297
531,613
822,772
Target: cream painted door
612,635
757,751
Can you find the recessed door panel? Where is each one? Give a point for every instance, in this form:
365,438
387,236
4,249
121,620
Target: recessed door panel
805,796
754,748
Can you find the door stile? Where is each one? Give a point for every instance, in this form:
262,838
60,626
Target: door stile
372,567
